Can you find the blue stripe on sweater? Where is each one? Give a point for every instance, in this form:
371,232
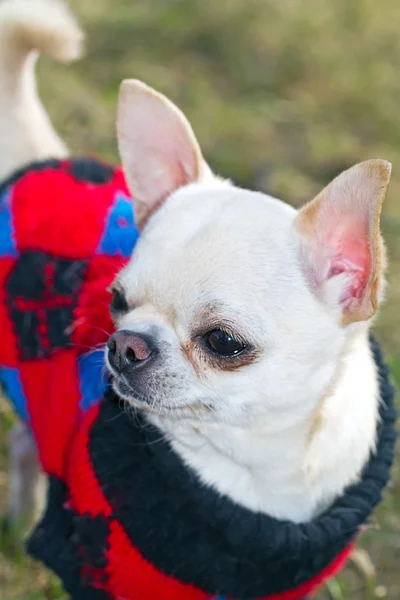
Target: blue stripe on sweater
92,380
7,233
120,232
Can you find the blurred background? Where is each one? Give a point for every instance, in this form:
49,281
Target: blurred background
283,95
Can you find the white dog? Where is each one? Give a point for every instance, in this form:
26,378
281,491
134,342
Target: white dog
244,332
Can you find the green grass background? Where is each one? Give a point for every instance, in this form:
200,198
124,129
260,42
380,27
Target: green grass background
282,94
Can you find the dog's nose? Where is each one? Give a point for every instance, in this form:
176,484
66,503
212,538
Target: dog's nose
127,350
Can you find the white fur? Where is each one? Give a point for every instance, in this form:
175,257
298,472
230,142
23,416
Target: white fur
256,446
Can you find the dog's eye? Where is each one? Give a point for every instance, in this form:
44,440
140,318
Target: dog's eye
118,302
222,343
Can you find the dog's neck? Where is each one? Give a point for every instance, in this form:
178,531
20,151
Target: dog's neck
298,470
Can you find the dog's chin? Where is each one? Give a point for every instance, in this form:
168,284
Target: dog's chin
135,400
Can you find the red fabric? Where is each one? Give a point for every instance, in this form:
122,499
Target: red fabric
61,215
58,215
53,396
92,312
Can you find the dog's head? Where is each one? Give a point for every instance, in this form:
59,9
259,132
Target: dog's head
235,305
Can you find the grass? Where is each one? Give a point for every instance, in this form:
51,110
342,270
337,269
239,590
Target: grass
283,94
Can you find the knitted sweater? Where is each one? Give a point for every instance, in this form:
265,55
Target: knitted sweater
66,229
126,519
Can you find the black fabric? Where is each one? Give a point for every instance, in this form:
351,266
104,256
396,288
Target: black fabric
52,541
91,536
189,531
42,306
91,171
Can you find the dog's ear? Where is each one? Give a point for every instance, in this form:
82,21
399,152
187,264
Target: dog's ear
158,148
342,251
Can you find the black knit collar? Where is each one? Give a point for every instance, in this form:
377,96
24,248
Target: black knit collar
189,531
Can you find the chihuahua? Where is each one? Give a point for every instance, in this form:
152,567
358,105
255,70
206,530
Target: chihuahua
243,333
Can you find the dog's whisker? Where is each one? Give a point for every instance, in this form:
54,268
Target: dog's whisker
99,329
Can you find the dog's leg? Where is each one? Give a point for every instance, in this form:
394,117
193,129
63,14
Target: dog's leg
26,484
27,28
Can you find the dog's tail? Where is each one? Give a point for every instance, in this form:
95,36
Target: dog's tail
28,28
42,25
